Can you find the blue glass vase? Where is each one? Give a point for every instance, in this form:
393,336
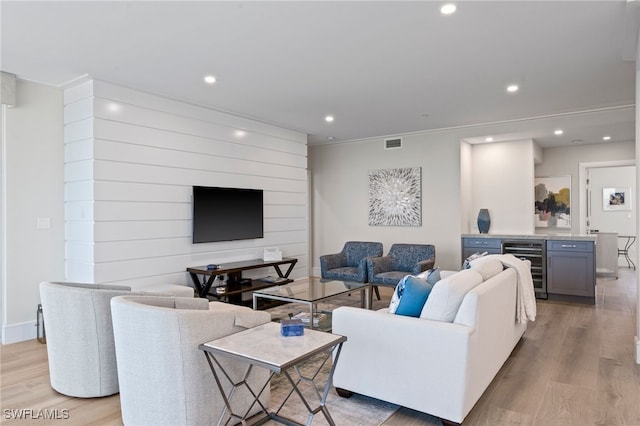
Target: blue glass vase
484,221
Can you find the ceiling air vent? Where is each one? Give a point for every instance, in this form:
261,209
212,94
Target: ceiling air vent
394,143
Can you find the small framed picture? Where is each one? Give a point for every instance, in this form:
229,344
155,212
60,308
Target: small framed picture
616,199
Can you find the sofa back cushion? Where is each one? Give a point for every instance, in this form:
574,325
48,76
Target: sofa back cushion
446,296
487,266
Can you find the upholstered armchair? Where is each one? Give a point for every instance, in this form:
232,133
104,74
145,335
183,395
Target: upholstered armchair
77,317
82,358
402,259
164,378
351,263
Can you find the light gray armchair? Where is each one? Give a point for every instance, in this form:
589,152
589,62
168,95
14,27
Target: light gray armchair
82,359
164,378
77,316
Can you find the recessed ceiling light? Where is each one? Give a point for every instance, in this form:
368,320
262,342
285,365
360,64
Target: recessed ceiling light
329,118
331,138
558,132
209,79
606,138
113,107
577,141
512,88
448,9
489,139
240,133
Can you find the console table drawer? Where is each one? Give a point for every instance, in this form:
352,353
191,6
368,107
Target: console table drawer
482,242
583,246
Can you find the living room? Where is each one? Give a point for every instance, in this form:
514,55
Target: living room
98,175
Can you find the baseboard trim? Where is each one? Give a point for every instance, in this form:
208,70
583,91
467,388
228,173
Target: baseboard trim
20,332
637,350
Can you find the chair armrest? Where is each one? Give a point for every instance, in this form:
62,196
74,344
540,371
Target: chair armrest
376,265
423,265
332,261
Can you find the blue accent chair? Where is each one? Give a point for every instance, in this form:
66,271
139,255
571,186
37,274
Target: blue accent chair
402,259
351,263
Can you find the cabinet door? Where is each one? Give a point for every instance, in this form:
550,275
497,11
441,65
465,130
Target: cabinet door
571,273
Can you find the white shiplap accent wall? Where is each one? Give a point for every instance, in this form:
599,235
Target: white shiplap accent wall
131,159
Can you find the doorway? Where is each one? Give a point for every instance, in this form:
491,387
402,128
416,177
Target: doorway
611,206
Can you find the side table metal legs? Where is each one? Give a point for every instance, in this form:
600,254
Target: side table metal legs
295,388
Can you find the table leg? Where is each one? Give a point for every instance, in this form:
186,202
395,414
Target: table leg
235,385
322,407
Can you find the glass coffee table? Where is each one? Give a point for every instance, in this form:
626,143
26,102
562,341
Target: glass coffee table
311,291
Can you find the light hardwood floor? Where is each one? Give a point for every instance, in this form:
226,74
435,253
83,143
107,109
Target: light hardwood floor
574,366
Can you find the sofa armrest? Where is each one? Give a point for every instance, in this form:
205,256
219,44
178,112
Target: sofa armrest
244,316
332,261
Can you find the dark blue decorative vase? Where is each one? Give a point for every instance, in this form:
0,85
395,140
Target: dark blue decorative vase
484,221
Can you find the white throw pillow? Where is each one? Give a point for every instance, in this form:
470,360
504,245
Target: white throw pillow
447,295
487,266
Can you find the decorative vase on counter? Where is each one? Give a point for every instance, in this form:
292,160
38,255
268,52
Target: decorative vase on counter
484,221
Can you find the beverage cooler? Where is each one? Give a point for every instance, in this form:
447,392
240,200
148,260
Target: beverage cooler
535,252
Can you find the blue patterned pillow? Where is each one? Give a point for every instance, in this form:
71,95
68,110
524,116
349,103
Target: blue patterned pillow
414,295
397,295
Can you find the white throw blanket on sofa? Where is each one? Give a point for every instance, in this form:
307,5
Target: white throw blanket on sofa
525,298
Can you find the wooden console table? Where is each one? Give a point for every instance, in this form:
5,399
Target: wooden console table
233,270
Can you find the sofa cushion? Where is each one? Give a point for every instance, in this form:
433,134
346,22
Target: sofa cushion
446,296
487,266
415,294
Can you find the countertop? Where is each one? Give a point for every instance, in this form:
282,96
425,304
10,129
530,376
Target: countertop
561,237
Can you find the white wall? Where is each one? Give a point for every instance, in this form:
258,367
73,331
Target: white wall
340,194
33,177
502,181
131,159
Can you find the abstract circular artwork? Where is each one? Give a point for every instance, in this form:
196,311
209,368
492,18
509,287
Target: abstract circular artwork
395,197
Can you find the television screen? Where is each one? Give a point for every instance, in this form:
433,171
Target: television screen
226,214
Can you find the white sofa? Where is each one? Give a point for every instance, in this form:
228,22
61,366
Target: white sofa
433,366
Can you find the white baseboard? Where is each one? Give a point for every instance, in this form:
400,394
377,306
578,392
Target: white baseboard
637,350
15,333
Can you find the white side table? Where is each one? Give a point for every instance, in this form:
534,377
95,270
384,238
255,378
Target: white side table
263,346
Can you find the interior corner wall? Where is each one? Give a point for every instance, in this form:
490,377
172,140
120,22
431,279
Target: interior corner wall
33,194
566,160
131,161
502,176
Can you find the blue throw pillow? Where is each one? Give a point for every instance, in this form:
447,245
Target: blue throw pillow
415,294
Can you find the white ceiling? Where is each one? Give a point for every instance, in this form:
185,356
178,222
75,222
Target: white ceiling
381,67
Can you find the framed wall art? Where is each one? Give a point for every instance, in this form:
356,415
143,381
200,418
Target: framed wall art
395,197
552,204
616,199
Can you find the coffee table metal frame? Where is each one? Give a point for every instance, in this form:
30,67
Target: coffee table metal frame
263,346
313,290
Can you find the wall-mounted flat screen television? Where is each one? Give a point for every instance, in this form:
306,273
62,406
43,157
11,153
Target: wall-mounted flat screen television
227,214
